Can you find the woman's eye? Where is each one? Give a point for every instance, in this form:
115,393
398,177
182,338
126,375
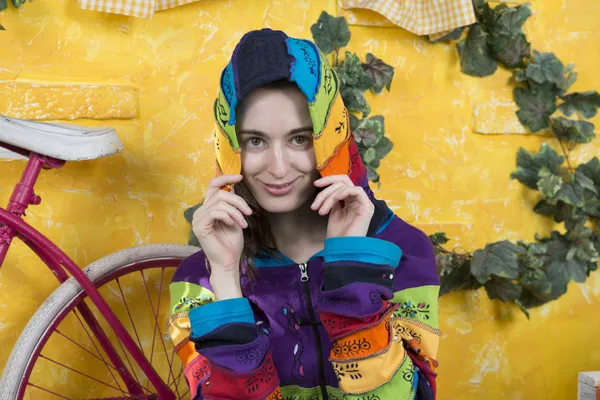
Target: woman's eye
300,140
255,142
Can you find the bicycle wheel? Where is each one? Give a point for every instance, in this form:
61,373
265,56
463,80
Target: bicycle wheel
58,356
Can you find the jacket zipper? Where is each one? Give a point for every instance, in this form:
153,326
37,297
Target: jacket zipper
311,313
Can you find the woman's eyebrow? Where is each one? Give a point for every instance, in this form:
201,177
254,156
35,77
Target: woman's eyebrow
262,134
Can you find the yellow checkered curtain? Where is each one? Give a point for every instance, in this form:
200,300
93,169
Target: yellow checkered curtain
134,8
421,17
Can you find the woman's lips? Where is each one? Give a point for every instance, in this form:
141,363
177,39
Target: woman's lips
280,189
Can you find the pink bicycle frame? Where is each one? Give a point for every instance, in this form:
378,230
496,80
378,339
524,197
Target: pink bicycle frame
12,224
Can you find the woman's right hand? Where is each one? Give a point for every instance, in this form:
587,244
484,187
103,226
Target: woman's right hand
218,225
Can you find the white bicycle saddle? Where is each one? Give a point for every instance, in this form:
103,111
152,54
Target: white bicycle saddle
66,142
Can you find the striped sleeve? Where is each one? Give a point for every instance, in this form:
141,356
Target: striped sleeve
380,314
218,341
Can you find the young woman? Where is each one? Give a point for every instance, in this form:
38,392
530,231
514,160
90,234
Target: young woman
307,286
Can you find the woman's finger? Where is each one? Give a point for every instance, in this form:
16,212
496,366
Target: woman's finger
220,216
331,199
215,184
233,212
234,200
331,179
325,193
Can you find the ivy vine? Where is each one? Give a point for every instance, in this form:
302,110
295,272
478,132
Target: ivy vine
532,274
331,35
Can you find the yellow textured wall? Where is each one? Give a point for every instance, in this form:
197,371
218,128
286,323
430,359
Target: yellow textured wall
162,75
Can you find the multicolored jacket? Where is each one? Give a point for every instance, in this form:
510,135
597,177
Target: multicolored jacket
358,320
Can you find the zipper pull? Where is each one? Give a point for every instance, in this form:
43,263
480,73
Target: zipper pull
303,272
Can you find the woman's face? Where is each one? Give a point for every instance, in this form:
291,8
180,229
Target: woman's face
278,160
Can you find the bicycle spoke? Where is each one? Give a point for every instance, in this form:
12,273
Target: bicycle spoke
156,318
186,392
108,366
94,343
129,313
176,381
47,391
155,315
80,373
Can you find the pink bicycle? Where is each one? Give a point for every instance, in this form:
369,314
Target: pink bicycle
101,333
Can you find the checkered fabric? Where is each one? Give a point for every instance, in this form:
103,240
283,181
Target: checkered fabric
134,8
421,17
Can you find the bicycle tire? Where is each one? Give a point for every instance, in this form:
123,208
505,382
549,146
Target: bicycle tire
22,353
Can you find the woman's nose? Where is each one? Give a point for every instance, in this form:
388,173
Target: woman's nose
278,163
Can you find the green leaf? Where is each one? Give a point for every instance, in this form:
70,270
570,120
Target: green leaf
559,210
530,164
511,51
438,238
354,121
18,3
189,213
369,155
561,270
585,103
570,131
484,13
591,169
568,79
545,68
372,175
355,101
3,5
2,28
383,147
549,184
585,182
454,34
510,21
498,259
381,73
570,194
352,74
330,33
474,52
369,130
535,107
193,240
502,289
538,283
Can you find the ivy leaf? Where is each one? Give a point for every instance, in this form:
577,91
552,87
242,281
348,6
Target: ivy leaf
369,155
585,103
372,175
585,182
439,238
561,270
369,130
559,211
18,3
330,33
511,51
567,130
545,68
354,100
456,279
502,289
549,184
591,170
352,75
530,164
499,259
189,213
3,5
381,73
538,283
474,52
570,194
568,79
383,147
510,21
484,13
2,28
535,107
354,121
454,34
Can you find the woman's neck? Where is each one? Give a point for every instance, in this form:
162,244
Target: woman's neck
298,234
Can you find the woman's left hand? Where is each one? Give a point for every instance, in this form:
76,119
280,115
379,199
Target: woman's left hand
350,210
